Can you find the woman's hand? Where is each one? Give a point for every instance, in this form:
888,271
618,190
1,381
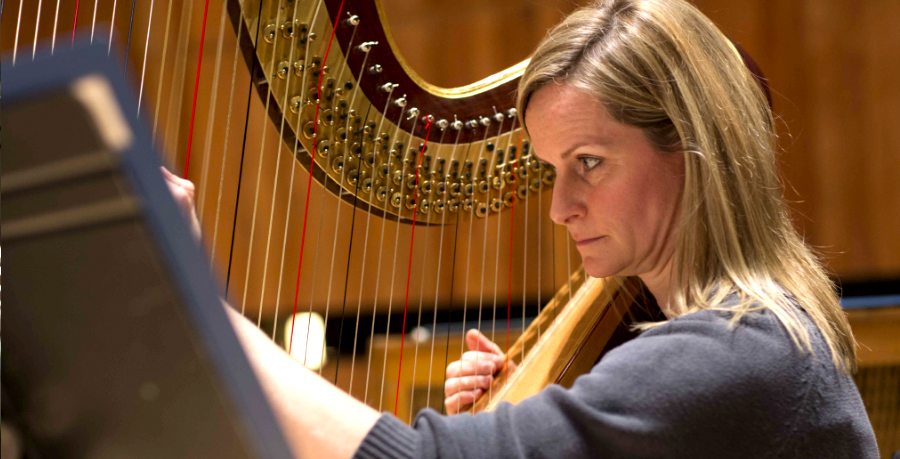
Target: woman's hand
183,192
472,375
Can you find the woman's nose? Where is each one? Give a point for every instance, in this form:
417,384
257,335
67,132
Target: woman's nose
566,205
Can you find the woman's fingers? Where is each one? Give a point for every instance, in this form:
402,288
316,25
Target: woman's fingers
478,342
182,191
480,356
471,375
484,366
454,385
461,400
185,185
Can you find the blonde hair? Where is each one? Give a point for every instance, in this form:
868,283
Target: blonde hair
664,67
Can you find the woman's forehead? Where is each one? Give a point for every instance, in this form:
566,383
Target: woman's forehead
561,118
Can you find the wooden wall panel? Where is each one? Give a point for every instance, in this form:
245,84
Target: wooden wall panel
832,67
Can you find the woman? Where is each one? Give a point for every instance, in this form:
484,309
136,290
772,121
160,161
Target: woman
664,150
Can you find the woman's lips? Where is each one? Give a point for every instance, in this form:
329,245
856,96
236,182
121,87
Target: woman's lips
585,242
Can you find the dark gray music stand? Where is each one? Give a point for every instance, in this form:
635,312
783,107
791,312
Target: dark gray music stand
115,343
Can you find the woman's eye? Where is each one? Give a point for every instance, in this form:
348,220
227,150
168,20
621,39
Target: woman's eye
590,162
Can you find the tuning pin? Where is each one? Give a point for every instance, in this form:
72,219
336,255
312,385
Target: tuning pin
511,113
375,69
442,123
401,102
367,46
484,121
412,113
472,124
428,119
388,87
352,19
456,125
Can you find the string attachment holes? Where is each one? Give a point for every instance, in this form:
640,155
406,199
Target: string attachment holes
289,27
269,33
284,67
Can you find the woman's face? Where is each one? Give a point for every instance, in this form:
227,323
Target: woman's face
616,193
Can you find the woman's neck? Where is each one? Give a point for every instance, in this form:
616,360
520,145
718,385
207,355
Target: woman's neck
659,282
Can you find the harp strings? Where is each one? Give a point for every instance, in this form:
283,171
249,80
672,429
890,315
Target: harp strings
512,156
181,60
262,154
527,185
162,68
144,64
94,20
326,150
241,167
55,23
412,239
499,170
131,26
187,159
37,27
360,150
312,163
374,190
278,155
297,128
18,27
75,21
380,258
469,192
225,149
491,171
112,24
210,117
399,193
428,231
284,105
345,161
439,265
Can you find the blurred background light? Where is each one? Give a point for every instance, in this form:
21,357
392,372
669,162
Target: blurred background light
308,340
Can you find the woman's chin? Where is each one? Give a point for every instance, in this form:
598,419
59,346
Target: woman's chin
599,269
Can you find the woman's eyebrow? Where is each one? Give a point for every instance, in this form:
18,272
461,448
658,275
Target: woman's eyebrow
568,152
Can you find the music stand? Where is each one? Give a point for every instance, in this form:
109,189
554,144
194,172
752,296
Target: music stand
116,343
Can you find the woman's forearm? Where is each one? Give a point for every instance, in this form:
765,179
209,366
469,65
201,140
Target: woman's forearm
318,419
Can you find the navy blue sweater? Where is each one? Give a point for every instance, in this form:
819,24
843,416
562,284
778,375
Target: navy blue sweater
691,388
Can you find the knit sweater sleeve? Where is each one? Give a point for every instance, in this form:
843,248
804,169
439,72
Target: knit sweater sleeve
693,387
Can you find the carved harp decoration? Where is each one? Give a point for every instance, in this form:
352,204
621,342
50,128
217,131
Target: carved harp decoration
317,154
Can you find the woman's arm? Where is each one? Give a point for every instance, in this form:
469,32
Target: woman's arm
318,419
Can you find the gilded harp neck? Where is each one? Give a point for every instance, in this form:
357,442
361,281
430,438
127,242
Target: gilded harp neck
382,138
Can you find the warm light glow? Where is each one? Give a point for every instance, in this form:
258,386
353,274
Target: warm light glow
307,351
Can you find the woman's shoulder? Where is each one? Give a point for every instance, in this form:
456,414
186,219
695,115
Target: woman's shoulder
705,371
709,349
707,358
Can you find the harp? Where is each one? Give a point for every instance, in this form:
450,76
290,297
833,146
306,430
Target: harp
333,180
